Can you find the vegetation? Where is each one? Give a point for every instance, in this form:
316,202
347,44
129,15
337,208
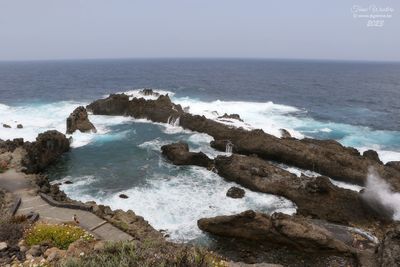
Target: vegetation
12,229
146,254
57,235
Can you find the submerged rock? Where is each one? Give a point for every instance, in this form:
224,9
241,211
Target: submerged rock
20,126
179,154
147,92
6,125
123,196
235,192
78,120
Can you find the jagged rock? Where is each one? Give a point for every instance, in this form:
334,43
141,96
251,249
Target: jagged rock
54,254
79,120
327,157
389,249
179,154
393,164
235,192
6,125
292,231
230,116
47,148
123,196
68,182
310,194
147,92
20,126
285,133
372,155
35,251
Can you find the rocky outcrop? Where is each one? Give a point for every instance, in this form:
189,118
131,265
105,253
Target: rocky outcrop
179,154
394,165
230,116
47,148
285,133
323,156
389,249
235,192
372,155
148,92
79,120
292,231
310,194
6,125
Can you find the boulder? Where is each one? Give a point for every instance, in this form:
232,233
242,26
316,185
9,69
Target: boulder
47,148
123,196
20,126
3,246
179,154
35,251
54,254
389,249
235,192
230,116
6,125
79,120
285,133
372,155
293,231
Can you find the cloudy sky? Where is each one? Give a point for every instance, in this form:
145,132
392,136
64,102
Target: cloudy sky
309,29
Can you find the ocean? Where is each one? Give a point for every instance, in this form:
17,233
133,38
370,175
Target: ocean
355,103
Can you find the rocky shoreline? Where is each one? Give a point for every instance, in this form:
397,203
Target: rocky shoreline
330,222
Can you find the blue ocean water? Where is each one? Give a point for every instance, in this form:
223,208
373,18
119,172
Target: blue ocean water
356,103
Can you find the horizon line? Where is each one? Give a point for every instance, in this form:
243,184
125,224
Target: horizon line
200,58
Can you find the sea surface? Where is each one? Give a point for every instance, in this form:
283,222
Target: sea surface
355,103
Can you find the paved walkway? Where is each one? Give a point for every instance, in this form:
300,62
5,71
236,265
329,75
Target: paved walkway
18,184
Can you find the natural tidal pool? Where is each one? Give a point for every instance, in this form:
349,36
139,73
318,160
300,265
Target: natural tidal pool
127,160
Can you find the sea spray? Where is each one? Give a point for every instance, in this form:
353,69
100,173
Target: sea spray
380,196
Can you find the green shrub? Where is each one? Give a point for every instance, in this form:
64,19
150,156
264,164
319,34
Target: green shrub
58,235
146,254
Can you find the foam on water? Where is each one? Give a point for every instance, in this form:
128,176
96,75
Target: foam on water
175,203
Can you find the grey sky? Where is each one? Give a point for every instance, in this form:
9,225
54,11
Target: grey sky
316,29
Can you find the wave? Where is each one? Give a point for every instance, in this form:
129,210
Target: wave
175,203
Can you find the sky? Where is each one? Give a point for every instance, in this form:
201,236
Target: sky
86,29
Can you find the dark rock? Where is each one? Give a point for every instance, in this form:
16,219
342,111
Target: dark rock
179,154
372,155
327,157
78,120
393,164
47,148
235,192
285,133
68,182
6,125
310,194
230,116
35,251
389,249
123,196
19,126
292,231
148,92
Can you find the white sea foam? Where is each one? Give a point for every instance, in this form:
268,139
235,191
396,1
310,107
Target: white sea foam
298,172
137,93
176,203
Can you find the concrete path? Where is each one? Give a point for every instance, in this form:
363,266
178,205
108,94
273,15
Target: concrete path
18,184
